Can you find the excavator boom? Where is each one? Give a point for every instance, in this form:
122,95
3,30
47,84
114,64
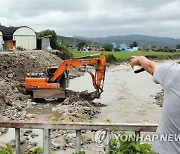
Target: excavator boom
99,72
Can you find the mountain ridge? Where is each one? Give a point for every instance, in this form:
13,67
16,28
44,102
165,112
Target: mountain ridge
142,40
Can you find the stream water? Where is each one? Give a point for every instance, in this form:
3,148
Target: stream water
129,97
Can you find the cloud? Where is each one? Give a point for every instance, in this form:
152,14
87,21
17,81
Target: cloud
95,18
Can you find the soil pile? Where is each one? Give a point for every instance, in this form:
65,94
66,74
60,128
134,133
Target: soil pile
13,68
62,54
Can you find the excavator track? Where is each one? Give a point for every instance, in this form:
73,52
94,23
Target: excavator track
62,94
49,93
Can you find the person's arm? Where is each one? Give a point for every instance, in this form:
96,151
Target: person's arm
147,64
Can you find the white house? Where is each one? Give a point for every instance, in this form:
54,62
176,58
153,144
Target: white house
25,37
22,37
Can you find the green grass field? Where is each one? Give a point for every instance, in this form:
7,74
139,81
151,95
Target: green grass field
124,56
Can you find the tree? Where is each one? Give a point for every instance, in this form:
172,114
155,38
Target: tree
134,44
178,46
55,44
116,49
53,38
81,45
107,47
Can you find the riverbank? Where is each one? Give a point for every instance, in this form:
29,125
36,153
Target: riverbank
125,56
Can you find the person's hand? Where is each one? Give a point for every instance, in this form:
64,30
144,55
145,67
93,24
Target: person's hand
134,61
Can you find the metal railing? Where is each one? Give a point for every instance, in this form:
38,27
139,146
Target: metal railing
47,126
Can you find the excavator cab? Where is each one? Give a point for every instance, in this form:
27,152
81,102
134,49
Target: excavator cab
63,79
51,70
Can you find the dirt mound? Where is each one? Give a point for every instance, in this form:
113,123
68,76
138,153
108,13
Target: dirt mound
13,68
63,55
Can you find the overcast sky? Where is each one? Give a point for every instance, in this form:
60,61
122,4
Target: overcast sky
94,18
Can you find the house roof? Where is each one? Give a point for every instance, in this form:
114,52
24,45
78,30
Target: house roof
8,32
1,31
2,27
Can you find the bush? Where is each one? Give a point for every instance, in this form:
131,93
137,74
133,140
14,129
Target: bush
37,150
165,50
111,59
129,146
81,152
7,149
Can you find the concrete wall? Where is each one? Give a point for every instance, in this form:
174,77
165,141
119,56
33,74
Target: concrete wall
1,40
25,37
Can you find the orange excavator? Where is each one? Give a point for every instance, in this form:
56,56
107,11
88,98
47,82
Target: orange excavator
53,82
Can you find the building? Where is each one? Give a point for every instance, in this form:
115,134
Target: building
19,38
1,40
133,49
113,46
45,43
123,47
94,47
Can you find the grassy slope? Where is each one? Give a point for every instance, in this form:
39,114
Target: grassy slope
123,56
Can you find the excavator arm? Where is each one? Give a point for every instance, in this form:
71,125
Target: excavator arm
96,78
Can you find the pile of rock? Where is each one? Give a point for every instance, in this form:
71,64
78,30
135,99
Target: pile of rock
160,98
76,107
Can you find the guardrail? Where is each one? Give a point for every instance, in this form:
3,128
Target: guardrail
47,126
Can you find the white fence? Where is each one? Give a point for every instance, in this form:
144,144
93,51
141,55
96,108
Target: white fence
47,126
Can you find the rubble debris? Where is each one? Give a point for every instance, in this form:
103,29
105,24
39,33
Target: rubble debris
160,98
3,130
